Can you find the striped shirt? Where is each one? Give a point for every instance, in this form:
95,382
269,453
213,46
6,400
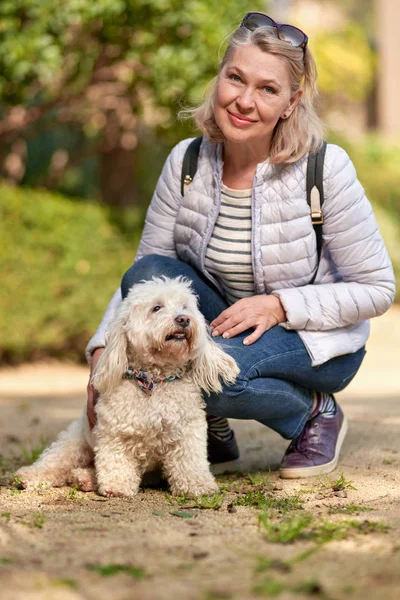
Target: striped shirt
228,254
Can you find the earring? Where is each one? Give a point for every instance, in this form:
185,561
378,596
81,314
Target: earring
284,116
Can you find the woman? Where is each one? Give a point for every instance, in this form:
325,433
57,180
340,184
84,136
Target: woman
243,234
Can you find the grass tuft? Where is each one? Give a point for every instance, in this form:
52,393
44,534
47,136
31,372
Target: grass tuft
258,499
115,569
285,530
349,509
336,485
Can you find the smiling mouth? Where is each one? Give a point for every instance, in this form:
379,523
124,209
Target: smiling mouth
240,118
178,336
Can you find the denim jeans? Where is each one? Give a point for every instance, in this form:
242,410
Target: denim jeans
276,383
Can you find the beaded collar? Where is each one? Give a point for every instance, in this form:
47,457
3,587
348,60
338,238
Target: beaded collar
145,379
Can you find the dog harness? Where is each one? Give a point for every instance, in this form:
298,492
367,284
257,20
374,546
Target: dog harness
145,379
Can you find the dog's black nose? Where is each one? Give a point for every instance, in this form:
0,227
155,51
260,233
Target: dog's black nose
183,320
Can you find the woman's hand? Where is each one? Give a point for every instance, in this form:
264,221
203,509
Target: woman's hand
260,312
93,394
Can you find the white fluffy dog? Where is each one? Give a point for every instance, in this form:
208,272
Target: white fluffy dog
158,357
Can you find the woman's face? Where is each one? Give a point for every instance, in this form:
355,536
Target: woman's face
252,94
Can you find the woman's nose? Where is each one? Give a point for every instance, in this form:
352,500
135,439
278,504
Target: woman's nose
245,100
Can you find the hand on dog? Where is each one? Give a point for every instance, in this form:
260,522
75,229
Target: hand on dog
93,394
260,312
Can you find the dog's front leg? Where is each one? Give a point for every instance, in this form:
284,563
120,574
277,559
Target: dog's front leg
186,466
118,472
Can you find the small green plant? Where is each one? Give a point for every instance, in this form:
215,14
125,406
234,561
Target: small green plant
259,479
285,530
73,492
311,587
268,587
336,485
209,501
38,521
368,526
72,583
5,561
6,515
386,461
17,483
349,509
114,569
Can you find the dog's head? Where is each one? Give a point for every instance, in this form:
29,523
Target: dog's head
159,328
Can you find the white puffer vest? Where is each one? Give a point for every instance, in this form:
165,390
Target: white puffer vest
355,279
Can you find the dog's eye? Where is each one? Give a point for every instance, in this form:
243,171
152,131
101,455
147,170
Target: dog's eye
156,308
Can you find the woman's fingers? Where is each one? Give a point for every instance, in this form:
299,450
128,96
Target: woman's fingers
239,327
257,333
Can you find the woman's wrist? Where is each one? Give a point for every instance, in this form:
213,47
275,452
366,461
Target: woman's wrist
277,309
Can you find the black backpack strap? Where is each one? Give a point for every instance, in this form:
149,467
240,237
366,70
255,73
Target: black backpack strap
315,195
189,165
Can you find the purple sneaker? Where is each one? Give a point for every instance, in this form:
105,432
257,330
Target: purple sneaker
316,450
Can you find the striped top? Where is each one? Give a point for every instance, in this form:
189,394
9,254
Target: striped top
228,254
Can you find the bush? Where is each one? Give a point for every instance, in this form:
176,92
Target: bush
61,261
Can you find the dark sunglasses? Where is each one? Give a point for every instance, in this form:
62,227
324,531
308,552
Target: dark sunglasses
287,33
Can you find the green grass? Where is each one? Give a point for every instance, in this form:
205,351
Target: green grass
73,493
260,478
37,521
349,509
6,515
286,530
115,569
258,499
303,526
336,485
206,501
268,587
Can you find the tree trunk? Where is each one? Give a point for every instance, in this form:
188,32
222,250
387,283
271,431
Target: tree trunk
117,183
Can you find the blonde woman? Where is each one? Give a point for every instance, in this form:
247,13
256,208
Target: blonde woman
243,234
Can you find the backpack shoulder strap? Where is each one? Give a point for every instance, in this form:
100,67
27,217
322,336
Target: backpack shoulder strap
315,195
189,165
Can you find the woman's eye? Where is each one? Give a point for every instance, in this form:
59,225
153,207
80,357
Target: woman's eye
156,308
269,89
233,76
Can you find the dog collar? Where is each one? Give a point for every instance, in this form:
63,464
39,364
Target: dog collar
145,379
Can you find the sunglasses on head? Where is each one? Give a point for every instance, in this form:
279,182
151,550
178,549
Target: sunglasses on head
286,33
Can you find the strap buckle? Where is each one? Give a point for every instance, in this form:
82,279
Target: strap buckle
317,218
188,179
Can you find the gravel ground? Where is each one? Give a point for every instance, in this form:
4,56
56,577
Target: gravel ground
65,545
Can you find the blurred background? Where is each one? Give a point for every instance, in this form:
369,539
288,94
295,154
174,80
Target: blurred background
89,93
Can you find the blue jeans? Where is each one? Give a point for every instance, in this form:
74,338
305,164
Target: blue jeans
276,383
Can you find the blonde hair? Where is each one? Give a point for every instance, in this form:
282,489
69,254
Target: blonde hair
293,137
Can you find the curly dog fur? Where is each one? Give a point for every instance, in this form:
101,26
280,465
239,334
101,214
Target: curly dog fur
158,329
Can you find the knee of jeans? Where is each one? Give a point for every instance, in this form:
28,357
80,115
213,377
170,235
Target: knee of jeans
151,265
217,401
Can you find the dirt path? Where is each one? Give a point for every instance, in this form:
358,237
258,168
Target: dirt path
63,545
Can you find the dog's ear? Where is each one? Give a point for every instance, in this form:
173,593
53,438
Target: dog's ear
114,361
213,364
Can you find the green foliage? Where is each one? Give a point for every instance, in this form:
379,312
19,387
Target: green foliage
345,61
61,261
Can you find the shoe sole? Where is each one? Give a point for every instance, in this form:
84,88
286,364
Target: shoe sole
231,466
318,469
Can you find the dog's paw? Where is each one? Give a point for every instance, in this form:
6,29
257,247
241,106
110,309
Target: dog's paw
27,478
114,492
85,479
195,490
